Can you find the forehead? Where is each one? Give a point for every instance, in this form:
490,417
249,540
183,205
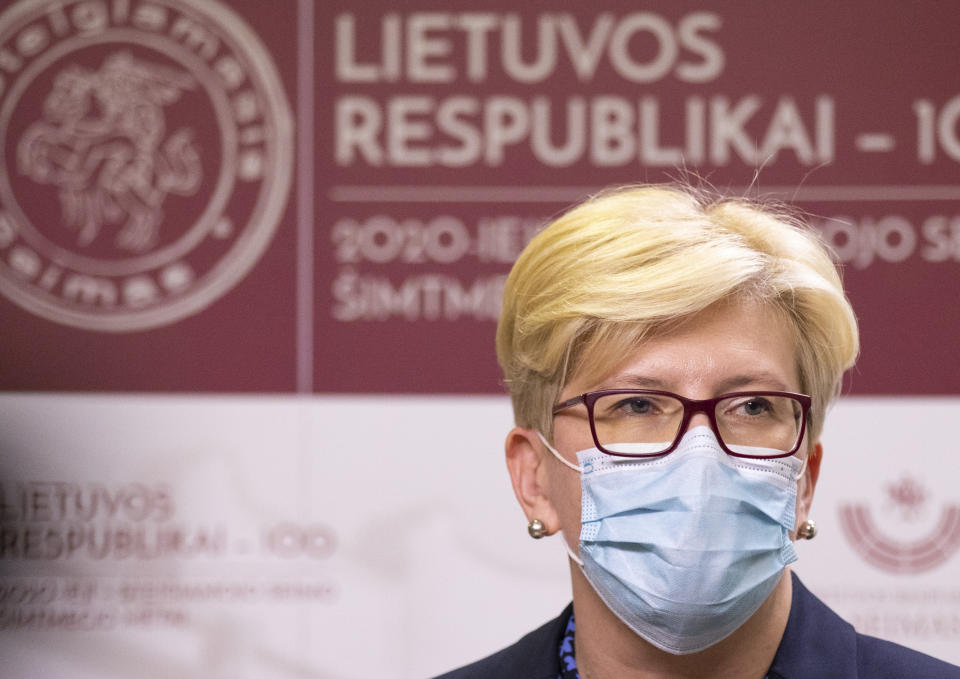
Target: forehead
731,345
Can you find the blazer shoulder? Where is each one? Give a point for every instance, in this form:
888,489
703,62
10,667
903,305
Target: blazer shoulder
819,643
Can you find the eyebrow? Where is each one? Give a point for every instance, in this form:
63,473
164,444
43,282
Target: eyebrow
630,380
760,380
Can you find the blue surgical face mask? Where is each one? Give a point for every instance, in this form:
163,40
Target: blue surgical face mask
685,548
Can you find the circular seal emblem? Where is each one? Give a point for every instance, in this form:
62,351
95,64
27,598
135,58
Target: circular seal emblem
911,535
147,153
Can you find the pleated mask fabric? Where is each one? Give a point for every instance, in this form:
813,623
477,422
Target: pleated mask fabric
685,548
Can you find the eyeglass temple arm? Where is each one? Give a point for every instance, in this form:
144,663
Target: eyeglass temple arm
569,403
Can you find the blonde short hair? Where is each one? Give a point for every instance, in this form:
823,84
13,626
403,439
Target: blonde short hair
633,261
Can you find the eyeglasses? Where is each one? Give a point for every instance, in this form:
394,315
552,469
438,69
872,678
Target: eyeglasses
648,423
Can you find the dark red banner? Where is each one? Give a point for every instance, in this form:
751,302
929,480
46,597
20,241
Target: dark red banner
164,225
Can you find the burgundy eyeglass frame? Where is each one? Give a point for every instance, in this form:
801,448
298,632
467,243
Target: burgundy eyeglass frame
691,406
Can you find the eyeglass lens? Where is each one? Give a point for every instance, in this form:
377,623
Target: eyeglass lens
647,424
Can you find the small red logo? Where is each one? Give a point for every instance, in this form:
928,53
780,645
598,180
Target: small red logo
906,503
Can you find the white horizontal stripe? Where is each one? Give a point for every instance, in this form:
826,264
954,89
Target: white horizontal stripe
873,143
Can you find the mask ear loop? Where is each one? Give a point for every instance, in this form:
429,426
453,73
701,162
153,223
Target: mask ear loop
557,454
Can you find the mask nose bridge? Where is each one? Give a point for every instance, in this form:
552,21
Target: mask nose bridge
701,456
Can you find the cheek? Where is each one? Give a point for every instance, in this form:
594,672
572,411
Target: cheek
568,507
571,435
564,493
803,499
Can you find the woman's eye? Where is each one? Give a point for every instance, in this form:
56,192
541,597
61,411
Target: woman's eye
638,406
756,407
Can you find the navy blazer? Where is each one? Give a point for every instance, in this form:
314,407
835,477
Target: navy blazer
817,644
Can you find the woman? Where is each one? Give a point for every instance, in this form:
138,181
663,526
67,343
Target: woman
670,362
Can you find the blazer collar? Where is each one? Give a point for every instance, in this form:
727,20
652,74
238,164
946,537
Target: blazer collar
816,643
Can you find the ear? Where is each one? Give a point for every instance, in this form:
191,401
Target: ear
526,461
808,482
